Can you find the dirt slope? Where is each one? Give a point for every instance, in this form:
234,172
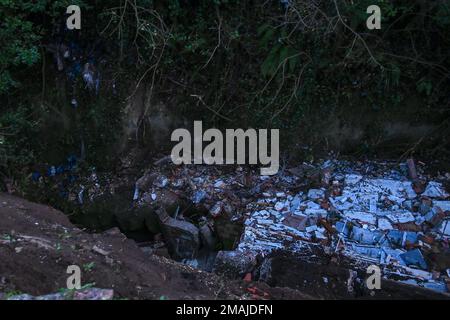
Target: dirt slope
38,243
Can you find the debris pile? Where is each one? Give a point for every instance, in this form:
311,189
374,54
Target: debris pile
372,212
377,219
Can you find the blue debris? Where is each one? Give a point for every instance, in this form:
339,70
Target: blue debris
392,254
372,252
340,228
400,238
199,196
36,176
74,71
71,162
74,103
60,169
295,203
365,236
51,172
136,194
285,3
81,196
436,286
414,257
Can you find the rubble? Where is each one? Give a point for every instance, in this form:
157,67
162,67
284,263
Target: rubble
415,258
368,212
182,237
234,263
373,219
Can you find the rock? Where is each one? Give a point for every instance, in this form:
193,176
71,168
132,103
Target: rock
161,182
101,214
132,219
145,182
182,237
170,201
228,232
208,237
152,222
234,264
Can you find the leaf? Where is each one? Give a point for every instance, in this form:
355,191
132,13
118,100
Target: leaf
267,37
270,65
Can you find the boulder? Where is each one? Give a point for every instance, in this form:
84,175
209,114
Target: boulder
207,237
234,264
182,237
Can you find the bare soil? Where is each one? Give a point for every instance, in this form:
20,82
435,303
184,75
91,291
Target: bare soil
38,243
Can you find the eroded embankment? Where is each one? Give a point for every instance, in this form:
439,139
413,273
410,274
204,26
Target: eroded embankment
38,243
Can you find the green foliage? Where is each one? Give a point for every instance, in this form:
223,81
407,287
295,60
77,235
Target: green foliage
19,42
13,293
88,267
425,86
282,57
21,33
17,138
255,63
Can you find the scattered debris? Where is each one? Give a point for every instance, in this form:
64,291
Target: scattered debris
370,212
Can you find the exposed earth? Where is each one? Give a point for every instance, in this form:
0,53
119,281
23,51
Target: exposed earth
38,243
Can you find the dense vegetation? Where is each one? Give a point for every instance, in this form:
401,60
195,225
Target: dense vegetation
285,64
